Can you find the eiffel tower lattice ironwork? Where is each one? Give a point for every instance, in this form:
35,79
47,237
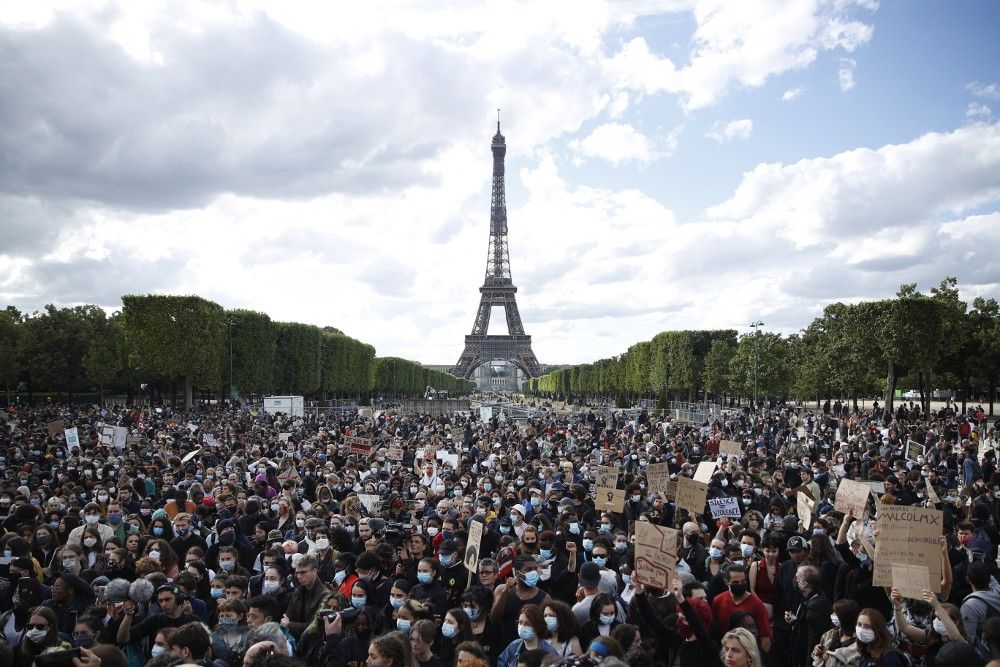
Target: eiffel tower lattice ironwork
498,290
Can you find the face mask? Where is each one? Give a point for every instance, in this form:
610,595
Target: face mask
89,541
145,511
471,612
864,635
574,528
218,593
402,624
269,586
102,498
863,559
397,602
154,554
552,623
487,487
606,528
621,546
70,564
738,589
83,642
746,550
340,576
432,530
835,620
37,636
228,622
158,531
322,543
504,530
227,565
525,632
607,619
357,602
449,630
965,539
92,518
425,577
300,523
446,560
531,579
600,561
158,650
54,525
588,545
939,628
545,553
714,553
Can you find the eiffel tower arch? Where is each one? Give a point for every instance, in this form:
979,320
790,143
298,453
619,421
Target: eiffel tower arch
498,290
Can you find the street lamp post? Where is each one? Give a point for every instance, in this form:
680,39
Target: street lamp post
756,358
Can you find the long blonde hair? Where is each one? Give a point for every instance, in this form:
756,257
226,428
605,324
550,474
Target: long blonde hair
746,640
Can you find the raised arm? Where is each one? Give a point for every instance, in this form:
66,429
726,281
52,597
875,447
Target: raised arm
913,633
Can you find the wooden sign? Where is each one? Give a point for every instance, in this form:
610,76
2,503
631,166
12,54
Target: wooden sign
730,448
655,555
907,535
610,498
691,495
852,497
472,546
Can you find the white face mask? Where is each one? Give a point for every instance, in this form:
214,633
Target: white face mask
37,636
269,586
864,635
322,543
939,628
835,620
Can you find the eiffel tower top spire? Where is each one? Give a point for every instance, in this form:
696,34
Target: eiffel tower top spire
498,256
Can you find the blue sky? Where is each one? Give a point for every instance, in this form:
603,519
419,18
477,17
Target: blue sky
671,163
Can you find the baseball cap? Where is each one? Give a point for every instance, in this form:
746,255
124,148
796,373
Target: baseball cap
796,543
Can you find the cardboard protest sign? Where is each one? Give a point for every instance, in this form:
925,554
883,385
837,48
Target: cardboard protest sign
691,495
609,498
72,439
704,472
725,507
851,497
876,487
356,445
909,536
55,428
485,413
472,545
914,450
804,505
931,493
866,545
370,501
107,436
730,448
655,555
394,453
289,475
910,580
658,477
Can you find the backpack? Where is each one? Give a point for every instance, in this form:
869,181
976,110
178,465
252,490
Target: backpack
991,611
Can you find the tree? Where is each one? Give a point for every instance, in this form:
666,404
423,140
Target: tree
10,336
53,345
715,373
178,337
104,359
773,371
254,347
297,361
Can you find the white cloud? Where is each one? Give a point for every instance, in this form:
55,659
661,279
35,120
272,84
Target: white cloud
989,91
616,143
734,130
792,94
978,111
845,75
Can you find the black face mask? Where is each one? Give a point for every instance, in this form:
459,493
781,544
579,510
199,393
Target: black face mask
738,589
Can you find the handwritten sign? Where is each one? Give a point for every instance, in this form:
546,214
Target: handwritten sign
658,477
704,472
805,505
655,555
370,501
910,580
730,448
907,535
394,453
356,445
691,495
55,428
931,493
485,413
914,450
725,507
851,497
72,439
472,546
609,498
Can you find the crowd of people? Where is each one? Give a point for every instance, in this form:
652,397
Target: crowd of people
224,536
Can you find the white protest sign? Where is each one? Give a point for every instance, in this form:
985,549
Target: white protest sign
704,472
725,507
370,501
472,546
485,413
72,439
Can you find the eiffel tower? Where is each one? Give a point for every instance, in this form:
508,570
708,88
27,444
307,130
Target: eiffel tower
498,290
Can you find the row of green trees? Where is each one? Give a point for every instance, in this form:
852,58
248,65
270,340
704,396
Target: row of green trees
913,341
167,340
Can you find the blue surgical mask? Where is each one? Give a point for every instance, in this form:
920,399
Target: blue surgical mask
588,545
157,651
158,530
402,624
471,612
357,602
545,553
531,579
228,622
425,577
746,550
218,593
504,530
574,528
714,553
627,578
227,565
552,623
340,576
449,630
446,560
606,528
600,561
397,602
525,632
607,619
621,546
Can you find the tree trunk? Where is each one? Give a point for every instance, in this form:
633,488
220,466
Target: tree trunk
890,388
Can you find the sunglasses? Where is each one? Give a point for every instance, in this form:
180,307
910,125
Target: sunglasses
38,626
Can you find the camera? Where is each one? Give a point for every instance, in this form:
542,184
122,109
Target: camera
396,532
327,614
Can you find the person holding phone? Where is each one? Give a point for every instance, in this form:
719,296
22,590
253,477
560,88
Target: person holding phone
40,634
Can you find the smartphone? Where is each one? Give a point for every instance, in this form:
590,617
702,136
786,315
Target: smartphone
58,658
